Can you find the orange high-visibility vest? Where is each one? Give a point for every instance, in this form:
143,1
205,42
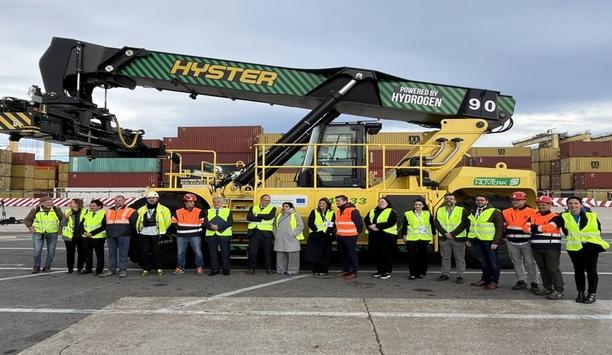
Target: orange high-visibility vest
345,227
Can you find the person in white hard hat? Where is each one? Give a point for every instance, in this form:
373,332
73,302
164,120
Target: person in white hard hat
152,224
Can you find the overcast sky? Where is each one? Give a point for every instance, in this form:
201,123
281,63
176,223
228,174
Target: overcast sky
554,57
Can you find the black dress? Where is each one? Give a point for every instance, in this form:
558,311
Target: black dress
319,245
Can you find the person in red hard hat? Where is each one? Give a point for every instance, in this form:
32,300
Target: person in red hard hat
189,229
519,248
546,248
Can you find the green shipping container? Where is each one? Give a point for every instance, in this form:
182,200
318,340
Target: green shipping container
112,165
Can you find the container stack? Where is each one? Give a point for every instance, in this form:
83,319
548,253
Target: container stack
586,168
62,175
543,161
113,172
22,175
5,173
513,157
231,144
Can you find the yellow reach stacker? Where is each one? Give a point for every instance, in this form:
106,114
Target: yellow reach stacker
337,156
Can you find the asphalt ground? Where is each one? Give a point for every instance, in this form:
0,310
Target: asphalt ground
55,312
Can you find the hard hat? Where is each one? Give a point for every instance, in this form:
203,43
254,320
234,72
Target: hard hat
544,199
152,194
190,197
518,195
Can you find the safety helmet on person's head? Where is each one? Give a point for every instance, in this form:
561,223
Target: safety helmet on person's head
518,196
152,194
190,197
544,199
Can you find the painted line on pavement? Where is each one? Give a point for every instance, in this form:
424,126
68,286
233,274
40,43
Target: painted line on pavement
235,292
359,314
31,275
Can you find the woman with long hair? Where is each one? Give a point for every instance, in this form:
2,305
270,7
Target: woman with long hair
418,231
71,225
319,246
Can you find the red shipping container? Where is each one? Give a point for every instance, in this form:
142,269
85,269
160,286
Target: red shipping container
152,143
593,180
215,131
220,144
48,163
392,157
113,180
490,162
23,159
586,149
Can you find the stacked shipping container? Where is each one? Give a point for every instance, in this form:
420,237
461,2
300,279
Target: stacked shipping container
585,166
5,173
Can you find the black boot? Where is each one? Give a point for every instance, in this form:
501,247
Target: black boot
580,298
590,298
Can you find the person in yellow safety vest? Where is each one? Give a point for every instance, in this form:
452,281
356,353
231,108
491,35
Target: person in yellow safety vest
44,224
584,243
120,222
189,222
152,224
218,236
452,223
418,232
71,225
261,233
288,228
485,235
93,230
349,225
381,223
321,223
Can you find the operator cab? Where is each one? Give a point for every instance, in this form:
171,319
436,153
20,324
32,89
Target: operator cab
340,162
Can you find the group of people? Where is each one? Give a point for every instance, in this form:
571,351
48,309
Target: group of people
533,238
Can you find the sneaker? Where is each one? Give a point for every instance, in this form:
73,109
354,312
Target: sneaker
385,276
160,272
411,277
555,295
543,292
581,297
459,280
479,283
519,285
200,271
226,273
534,287
377,275
36,270
46,269
324,274
212,273
178,271
107,274
442,278
144,273
122,274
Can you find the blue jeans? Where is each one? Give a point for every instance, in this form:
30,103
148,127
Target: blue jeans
196,246
39,239
214,243
488,259
118,243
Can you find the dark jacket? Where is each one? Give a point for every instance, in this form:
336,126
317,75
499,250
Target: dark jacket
122,230
29,219
498,221
464,225
223,225
313,227
381,226
251,217
355,216
405,224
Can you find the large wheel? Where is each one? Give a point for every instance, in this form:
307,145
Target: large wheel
173,200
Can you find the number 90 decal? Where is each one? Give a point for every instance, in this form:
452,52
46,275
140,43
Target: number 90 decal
475,104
